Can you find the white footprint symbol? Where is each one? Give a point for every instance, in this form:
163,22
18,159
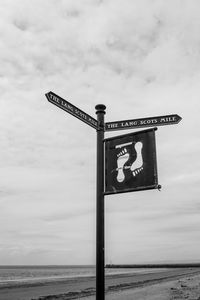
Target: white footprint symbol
137,165
122,158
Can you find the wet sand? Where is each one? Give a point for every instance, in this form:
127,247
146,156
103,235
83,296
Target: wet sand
178,289
162,285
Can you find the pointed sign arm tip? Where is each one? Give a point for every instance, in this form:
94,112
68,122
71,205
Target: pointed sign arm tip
179,118
47,95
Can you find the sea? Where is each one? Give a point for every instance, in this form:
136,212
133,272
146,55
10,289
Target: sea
11,276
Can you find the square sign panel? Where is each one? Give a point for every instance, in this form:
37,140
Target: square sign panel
131,162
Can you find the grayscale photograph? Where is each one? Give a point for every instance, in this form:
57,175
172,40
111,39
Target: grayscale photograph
99,149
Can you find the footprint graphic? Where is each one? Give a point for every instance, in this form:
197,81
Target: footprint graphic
122,158
137,165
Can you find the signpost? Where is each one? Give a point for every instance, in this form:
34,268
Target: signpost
130,164
143,122
71,109
100,274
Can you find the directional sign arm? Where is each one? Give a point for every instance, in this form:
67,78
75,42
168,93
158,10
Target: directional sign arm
71,109
143,122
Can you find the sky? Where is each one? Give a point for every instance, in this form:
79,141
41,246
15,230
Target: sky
139,58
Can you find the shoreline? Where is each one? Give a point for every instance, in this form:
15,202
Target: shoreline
28,282
84,287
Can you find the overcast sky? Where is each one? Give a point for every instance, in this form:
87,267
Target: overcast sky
140,58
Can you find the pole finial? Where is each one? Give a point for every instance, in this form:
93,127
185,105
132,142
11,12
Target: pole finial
100,108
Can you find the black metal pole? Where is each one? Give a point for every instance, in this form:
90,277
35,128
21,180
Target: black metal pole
100,276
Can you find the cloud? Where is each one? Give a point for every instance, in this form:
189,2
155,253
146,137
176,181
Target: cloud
141,59
65,216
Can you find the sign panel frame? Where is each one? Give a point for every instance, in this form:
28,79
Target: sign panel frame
143,122
71,109
136,183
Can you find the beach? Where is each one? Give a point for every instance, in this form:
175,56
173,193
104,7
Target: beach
187,287
163,284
